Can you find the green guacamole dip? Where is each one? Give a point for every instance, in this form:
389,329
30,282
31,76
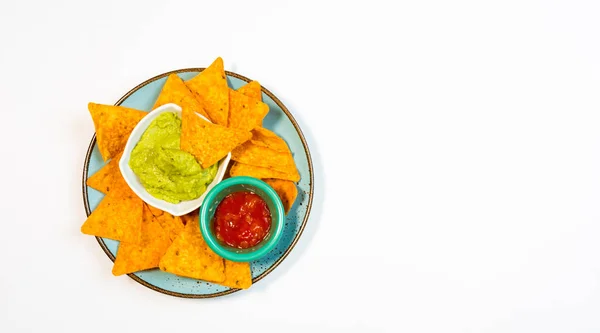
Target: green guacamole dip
167,172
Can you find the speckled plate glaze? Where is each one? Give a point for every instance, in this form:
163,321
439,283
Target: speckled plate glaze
280,121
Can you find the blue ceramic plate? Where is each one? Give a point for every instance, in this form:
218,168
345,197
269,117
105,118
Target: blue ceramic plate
280,121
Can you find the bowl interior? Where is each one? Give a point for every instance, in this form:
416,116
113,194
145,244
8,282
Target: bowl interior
136,186
277,218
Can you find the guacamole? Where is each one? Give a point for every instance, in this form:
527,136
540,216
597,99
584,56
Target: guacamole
166,171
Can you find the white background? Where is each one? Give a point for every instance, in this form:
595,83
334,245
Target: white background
456,147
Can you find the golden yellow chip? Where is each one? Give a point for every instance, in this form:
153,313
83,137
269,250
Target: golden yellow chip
210,87
175,91
113,126
191,217
208,142
190,256
172,225
256,153
118,216
103,179
252,90
286,190
237,275
245,113
241,169
155,211
269,139
134,257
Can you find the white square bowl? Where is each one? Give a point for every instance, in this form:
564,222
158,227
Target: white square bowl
133,181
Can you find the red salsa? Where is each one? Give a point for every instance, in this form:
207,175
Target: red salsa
242,220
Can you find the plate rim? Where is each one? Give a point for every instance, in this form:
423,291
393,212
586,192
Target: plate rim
294,241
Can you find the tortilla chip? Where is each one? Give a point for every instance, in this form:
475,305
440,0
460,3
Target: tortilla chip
269,139
134,257
118,216
175,91
237,275
172,225
244,113
208,142
103,179
210,87
252,90
257,153
155,211
286,190
190,217
190,256
113,126
241,169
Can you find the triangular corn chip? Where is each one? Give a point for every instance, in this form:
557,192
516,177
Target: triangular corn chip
172,225
191,217
103,179
245,113
286,190
241,169
113,126
118,216
252,90
146,254
155,211
237,275
208,142
190,256
175,91
257,153
270,139
210,87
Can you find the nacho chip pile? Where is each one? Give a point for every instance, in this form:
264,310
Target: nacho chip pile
150,238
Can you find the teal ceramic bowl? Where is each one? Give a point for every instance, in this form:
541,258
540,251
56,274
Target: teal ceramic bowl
237,184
